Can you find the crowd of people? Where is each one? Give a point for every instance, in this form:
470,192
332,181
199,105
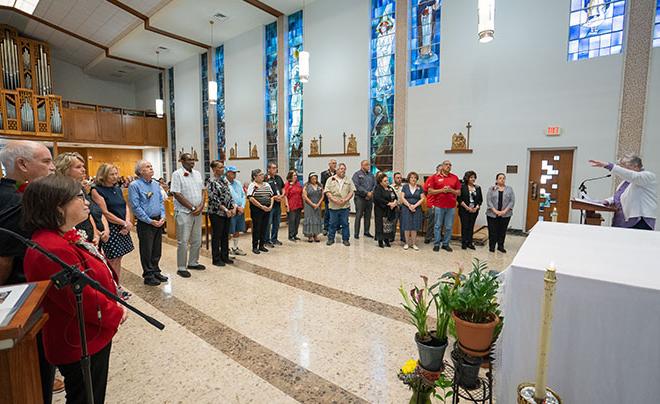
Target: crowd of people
89,224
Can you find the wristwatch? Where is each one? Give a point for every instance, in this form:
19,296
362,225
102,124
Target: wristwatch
193,207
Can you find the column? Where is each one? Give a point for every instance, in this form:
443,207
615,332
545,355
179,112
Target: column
400,85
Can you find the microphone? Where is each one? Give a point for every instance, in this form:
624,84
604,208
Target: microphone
583,189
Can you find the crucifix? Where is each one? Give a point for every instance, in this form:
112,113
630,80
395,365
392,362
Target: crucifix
320,143
469,126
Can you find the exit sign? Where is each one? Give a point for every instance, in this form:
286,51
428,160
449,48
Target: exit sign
553,131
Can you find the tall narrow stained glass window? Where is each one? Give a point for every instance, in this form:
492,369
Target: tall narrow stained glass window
220,106
424,42
163,155
204,66
271,92
656,27
595,28
381,95
295,94
170,86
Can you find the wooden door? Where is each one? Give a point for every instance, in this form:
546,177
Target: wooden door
549,185
110,125
133,127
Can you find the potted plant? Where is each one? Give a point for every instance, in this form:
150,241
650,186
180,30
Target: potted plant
417,303
476,311
421,387
443,294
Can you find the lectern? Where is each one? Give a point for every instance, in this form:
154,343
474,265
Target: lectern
19,359
591,209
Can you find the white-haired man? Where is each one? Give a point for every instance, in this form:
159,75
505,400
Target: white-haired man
146,202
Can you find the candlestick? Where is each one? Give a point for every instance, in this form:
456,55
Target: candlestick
549,281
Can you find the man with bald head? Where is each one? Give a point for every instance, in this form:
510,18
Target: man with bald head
24,161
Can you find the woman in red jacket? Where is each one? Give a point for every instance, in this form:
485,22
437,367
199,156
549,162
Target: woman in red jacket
52,206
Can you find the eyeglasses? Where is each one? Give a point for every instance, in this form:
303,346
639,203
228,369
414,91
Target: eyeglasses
81,195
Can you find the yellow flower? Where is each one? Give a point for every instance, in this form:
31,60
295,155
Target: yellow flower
409,367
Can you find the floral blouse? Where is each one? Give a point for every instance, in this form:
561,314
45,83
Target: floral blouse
219,196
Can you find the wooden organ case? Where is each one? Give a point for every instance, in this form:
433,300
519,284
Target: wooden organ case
27,105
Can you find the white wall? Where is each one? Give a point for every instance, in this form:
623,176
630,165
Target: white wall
188,107
336,99
244,98
510,90
651,141
146,92
73,84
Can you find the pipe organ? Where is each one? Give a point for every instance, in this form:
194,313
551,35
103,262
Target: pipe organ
27,105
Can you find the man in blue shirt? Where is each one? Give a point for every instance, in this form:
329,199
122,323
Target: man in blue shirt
146,202
237,222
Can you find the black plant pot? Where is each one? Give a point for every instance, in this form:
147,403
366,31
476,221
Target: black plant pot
466,368
431,353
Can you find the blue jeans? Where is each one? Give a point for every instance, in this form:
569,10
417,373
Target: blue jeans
339,218
273,226
443,217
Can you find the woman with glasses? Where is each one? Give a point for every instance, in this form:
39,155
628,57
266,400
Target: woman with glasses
260,196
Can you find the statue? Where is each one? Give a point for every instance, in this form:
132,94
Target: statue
458,141
254,153
352,145
314,147
232,151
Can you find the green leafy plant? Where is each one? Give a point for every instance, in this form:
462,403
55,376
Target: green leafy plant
475,300
443,388
417,303
443,293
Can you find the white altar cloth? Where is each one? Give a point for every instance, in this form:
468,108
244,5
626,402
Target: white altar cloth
605,342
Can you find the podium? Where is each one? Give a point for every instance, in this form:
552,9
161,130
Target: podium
591,208
19,359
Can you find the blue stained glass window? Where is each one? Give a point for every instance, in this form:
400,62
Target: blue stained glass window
163,155
656,27
271,92
381,92
424,42
295,94
204,66
170,82
595,28
220,106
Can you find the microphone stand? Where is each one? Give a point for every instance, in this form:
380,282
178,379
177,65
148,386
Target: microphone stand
583,191
71,275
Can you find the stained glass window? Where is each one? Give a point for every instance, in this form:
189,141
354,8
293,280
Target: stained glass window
381,96
163,155
220,106
170,82
271,92
295,94
204,66
656,29
595,28
424,42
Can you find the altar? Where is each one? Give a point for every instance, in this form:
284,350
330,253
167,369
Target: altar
605,342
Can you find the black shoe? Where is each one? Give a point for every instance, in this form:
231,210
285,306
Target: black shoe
297,238
151,281
161,277
380,244
368,235
471,246
270,245
263,249
256,251
198,267
356,237
219,263
502,250
325,232
330,242
292,239
436,248
346,243
463,247
491,249
183,274
387,243
427,241
229,261
447,248
277,242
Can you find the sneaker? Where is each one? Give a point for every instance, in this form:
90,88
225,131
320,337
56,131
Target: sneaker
436,248
405,246
447,248
414,247
330,242
346,243
238,251
183,273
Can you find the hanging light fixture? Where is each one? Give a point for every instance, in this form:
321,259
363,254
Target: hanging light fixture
213,85
160,106
303,61
486,24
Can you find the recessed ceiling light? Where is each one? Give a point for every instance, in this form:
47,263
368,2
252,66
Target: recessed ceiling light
221,17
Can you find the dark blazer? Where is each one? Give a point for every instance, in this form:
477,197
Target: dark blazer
465,196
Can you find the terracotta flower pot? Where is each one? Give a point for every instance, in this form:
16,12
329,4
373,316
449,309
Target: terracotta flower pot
475,338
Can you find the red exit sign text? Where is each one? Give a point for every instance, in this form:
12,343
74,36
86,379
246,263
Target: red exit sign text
553,131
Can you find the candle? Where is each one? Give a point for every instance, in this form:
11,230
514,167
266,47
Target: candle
549,281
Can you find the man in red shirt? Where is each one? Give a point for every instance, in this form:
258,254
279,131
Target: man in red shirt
441,190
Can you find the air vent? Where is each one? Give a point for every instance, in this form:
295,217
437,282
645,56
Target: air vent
220,17
162,49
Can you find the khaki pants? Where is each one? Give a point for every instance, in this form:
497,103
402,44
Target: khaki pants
188,231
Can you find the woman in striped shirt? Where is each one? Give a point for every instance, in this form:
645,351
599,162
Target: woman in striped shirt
260,196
